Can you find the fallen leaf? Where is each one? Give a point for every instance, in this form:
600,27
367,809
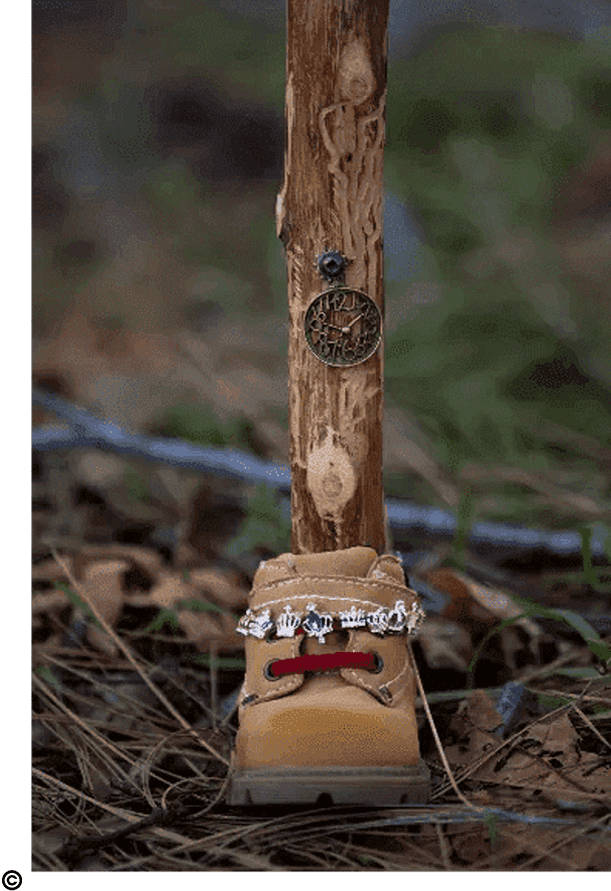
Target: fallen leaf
482,712
480,608
224,590
104,590
49,601
471,601
546,757
147,560
200,626
445,644
51,571
470,843
473,724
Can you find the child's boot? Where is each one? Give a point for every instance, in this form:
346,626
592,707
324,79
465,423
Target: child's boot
327,709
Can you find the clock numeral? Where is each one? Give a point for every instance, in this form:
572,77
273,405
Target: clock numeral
362,344
349,354
319,321
337,300
323,304
327,347
340,302
370,313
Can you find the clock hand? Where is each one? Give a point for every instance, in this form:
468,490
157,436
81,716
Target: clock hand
346,328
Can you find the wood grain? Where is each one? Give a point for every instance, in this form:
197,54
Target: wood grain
331,197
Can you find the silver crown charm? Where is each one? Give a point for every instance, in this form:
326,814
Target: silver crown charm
317,624
378,621
260,625
243,626
415,618
397,616
353,618
287,622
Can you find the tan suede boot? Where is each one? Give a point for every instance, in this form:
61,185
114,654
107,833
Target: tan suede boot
327,708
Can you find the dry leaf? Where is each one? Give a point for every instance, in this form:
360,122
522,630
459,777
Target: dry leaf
546,757
474,723
200,627
469,843
147,560
445,644
482,712
49,601
103,587
224,590
470,600
51,571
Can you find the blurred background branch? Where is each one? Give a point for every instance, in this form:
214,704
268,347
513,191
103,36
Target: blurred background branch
82,430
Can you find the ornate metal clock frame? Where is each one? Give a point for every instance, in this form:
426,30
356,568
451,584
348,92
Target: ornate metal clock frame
343,326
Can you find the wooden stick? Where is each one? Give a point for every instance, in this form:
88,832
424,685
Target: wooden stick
331,200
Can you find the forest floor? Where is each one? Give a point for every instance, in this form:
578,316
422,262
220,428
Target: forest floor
137,666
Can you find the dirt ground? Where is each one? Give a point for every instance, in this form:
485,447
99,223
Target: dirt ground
137,666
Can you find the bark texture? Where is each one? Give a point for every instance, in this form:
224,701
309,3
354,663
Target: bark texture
331,198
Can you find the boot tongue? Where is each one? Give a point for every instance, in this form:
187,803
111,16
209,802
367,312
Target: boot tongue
350,562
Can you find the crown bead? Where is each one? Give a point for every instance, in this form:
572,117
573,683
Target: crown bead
317,624
287,622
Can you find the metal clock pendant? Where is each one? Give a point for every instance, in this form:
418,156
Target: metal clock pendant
343,326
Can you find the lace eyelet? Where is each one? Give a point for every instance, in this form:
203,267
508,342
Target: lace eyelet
267,671
379,663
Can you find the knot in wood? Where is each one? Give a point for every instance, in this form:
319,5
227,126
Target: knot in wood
356,80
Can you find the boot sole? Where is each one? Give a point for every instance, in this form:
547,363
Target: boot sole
364,786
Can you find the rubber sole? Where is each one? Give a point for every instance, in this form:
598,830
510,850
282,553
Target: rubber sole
365,786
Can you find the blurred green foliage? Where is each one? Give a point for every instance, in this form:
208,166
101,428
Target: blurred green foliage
200,425
491,114
573,620
244,55
266,527
478,370
137,483
267,524
484,127
201,225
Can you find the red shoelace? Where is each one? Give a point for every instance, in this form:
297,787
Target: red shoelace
322,662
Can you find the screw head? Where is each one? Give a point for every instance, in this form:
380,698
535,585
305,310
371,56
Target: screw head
331,264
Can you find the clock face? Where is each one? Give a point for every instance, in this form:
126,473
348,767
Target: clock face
343,326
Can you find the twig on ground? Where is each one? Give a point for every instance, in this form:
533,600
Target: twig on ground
596,732
443,847
436,736
133,662
75,849
479,762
